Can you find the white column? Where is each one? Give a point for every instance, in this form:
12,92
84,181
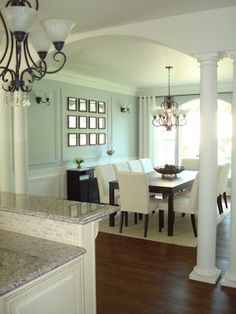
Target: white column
205,269
6,173
229,278
20,149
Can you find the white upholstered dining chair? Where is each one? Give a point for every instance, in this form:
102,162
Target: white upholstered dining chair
146,165
135,165
134,196
121,166
105,174
190,163
185,202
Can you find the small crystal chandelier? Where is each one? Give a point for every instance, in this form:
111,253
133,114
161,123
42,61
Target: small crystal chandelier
168,114
18,67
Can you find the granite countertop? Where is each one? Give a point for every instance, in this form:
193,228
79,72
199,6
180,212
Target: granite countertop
24,258
54,208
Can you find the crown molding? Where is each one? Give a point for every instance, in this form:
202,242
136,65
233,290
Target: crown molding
181,90
82,80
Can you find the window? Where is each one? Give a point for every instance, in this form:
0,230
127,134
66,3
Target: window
183,142
165,149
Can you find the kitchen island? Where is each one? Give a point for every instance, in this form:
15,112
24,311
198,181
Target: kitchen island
39,276
63,221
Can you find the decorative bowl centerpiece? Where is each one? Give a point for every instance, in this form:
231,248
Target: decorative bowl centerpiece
169,171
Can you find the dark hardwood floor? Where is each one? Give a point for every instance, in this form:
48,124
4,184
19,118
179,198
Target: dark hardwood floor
144,277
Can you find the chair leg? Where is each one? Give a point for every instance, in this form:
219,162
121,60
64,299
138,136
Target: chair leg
161,219
146,225
140,216
225,199
121,221
126,219
194,224
135,218
219,203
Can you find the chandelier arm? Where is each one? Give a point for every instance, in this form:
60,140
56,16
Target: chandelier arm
5,72
36,68
40,71
11,53
28,54
24,87
56,54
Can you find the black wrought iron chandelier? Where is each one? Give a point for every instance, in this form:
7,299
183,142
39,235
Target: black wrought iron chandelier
168,114
19,65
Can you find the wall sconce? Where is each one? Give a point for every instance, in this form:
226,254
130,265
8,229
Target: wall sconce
43,98
125,108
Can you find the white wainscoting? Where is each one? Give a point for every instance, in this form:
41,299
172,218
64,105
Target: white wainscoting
47,182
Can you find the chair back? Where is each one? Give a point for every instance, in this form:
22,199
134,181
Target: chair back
190,163
135,166
220,175
224,178
134,192
193,199
146,165
121,166
104,174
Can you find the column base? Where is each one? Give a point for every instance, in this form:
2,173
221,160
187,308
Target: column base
209,277
228,280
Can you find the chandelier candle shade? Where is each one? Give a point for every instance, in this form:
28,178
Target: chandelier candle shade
19,67
168,114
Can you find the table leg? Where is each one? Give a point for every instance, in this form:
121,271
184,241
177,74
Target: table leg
170,213
112,220
111,202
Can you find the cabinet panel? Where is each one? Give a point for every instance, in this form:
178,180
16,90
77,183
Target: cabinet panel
55,294
82,185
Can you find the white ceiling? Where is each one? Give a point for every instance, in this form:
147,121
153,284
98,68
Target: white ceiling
134,62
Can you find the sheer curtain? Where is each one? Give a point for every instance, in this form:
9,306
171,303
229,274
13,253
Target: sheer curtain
147,145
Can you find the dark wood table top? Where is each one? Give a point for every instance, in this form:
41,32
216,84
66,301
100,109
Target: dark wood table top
156,181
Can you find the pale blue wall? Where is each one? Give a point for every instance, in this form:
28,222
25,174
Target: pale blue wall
47,127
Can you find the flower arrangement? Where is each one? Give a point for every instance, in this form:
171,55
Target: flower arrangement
78,161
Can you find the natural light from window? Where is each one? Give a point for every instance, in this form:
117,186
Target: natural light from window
184,142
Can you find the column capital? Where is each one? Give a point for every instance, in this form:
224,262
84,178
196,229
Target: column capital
210,56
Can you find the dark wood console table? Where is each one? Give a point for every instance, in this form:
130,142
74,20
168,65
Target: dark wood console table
82,185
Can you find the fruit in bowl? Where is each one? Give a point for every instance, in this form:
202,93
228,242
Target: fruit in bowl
169,170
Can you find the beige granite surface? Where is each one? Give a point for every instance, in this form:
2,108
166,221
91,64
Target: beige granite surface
54,208
24,258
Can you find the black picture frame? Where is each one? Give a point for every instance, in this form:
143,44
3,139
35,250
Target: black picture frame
72,139
92,138
82,139
92,122
82,105
101,123
82,122
93,106
71,104
71,122
101,138
101,107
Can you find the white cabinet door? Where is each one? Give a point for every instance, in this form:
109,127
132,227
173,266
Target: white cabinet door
58,292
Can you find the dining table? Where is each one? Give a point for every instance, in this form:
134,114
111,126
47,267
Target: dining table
167,185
